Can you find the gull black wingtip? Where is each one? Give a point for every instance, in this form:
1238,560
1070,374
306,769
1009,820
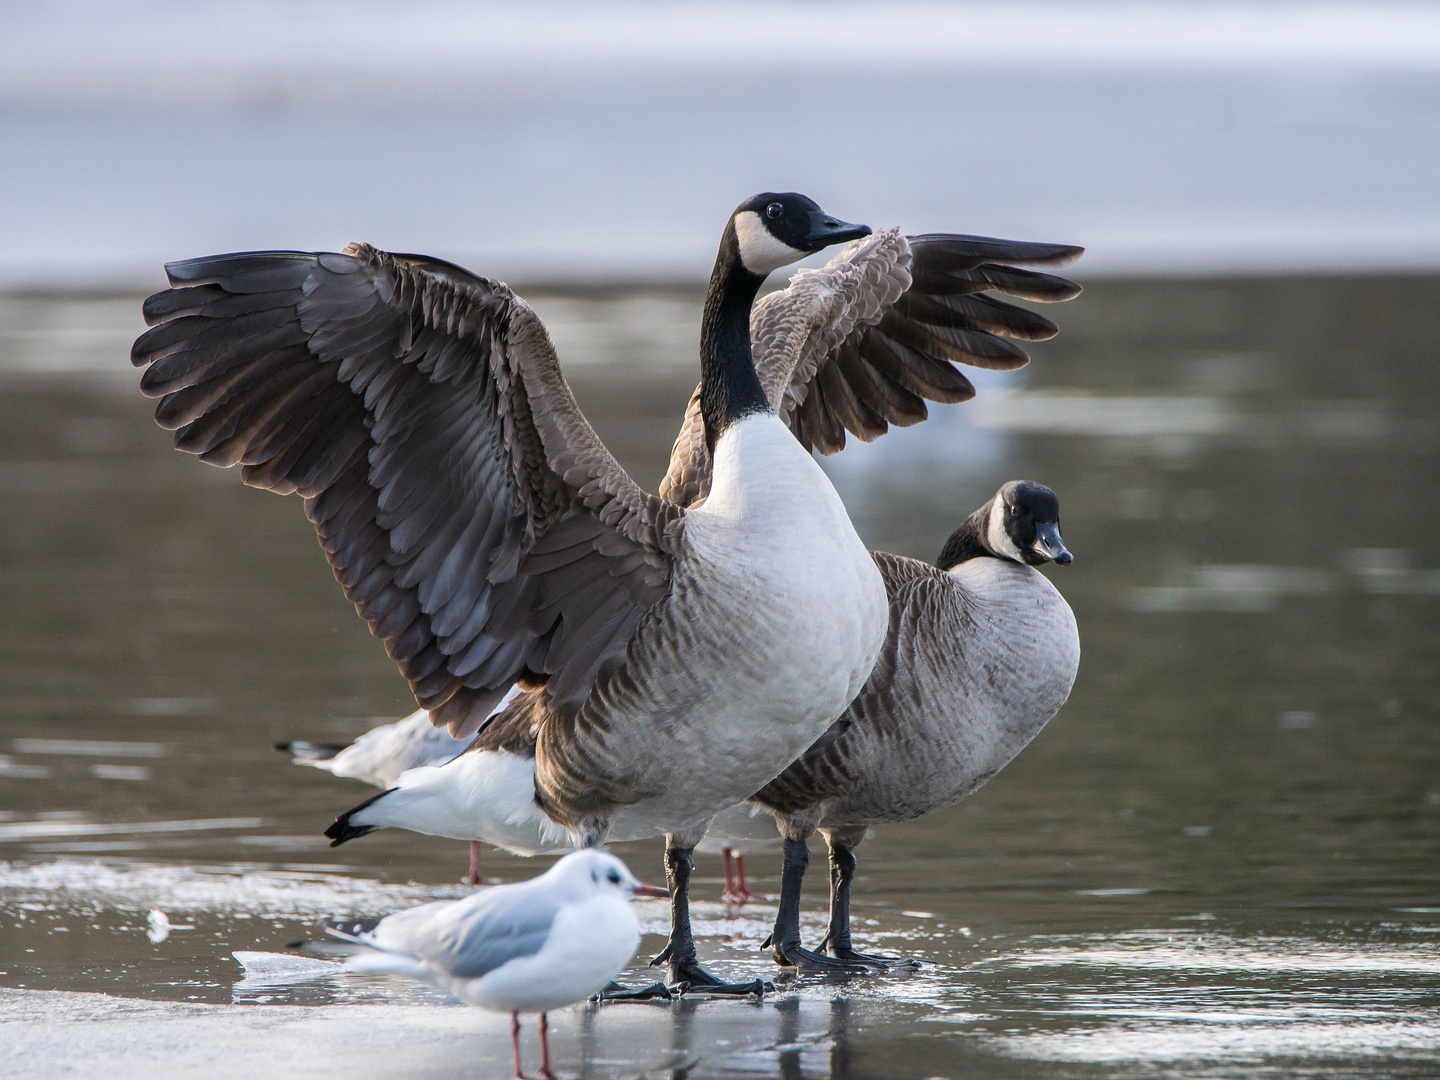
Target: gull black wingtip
341,830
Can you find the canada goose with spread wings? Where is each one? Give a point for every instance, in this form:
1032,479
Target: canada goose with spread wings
822,348
487,536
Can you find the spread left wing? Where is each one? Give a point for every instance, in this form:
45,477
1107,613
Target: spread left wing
466,506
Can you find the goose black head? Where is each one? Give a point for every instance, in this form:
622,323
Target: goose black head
773,229
1024,524
1021,523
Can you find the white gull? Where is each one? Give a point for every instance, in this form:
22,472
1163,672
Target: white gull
529,947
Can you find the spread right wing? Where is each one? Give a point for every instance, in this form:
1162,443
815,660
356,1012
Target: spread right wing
864,341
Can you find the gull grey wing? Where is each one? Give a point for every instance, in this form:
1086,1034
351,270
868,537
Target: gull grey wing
466,506
864,341
471,937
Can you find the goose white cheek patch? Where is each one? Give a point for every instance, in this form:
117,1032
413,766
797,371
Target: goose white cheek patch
759,250
998,538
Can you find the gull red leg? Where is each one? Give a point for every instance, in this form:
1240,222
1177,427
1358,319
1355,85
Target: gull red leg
473,877
736,891
515,1043
546,1073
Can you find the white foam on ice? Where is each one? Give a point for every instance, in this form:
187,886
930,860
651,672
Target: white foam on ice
281,969
245,890
140,887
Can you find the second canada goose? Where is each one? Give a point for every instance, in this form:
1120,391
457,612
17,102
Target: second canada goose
471,513
981,652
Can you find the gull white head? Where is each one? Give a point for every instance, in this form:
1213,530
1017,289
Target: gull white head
596,873
774,229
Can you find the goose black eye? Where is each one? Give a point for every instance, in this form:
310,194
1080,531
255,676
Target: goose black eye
614,877
774,210
1015,511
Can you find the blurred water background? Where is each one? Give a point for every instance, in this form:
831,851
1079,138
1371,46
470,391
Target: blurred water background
1220,859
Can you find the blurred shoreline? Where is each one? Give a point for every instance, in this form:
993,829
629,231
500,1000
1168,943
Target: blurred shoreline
584,143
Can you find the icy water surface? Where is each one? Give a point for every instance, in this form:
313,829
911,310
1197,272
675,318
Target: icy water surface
1220,859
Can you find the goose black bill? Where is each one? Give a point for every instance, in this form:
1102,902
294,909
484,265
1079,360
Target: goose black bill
1048,542
826,230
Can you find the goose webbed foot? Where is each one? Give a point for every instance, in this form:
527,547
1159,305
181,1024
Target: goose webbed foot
686,976
619,992
884,963
792,954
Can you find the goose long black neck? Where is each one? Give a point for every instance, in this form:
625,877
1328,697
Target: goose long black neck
729,387
967,542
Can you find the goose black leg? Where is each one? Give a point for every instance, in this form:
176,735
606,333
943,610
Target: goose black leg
837,937
686,974
785,941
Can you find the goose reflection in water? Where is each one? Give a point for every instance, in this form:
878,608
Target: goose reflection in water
796,1050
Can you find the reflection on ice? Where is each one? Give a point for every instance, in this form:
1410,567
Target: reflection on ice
89,748
1249,1038
16,770
1189,996
1062,413
1230,588
1194,950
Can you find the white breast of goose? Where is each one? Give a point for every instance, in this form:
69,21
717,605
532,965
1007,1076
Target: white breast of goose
1019,656
1023,652
782,612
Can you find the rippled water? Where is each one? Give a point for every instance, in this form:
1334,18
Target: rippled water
1219,859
